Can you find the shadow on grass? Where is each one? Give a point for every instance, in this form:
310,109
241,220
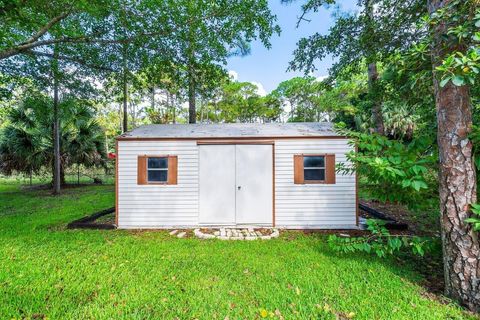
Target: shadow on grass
426,271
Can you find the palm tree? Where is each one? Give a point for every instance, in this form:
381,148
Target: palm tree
26,142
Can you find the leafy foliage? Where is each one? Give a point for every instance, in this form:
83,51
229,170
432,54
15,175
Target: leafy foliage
474,220
26,140
380,242
392,170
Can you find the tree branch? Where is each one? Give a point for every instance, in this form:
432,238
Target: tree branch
7,53
47,27
70,59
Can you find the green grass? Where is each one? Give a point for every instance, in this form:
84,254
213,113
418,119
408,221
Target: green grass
48,271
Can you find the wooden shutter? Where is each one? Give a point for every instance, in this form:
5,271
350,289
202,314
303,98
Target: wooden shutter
172,169
298,169
142,170
330,169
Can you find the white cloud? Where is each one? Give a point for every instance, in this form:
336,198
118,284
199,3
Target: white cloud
321,78
260,89
233,75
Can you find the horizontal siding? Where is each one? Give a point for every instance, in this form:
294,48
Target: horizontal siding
156,206
313,205
296,206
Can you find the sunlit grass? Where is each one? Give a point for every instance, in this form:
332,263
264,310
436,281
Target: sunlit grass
46,270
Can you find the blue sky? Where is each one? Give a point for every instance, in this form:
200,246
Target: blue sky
268,67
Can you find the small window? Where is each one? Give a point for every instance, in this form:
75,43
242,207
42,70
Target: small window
157,169
314,168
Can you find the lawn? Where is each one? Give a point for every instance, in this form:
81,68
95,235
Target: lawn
49,272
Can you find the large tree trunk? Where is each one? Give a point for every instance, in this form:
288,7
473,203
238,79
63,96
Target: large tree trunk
125,102
377,114
192,111
461,249
56,128
125,89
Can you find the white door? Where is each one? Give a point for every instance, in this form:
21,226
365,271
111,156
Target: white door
217,184
254,166
236,184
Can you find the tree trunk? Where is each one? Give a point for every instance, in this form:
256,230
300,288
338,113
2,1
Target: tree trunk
461,249
192,111
152,102
124,100
377,114
56,128
125,89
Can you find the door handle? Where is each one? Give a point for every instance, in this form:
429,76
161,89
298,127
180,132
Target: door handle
239,187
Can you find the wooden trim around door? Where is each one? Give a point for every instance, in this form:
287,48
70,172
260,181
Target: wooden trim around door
260,142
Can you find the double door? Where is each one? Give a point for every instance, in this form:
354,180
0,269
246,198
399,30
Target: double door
236,184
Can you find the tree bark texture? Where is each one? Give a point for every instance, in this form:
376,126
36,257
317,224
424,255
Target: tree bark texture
192,109
125,101
125,89
377,114
56,130
457,177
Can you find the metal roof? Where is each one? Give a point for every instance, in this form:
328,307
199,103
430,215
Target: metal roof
232,130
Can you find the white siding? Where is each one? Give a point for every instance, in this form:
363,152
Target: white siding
296,206
320,206
157,206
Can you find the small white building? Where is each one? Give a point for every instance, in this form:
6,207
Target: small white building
273,174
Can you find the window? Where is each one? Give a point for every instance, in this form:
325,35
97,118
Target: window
314,168
157,169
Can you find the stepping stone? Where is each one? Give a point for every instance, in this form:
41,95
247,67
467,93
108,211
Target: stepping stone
181,234
173,232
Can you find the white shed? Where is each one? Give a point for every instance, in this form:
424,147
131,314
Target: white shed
190,175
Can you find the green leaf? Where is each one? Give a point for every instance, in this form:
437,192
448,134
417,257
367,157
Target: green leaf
418,184
458,80
444,82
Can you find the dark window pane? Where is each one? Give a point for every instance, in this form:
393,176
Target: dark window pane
313,161
157,175
314,174
157,163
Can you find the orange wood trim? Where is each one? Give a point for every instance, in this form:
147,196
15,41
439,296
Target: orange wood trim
273,184
330,174
229,138
221,142
116,183
298,169
172,177
142,170
330,169
172,169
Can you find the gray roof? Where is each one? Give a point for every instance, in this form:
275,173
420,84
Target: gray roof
232,130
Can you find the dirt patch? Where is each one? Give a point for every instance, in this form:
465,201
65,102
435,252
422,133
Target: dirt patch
400,213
